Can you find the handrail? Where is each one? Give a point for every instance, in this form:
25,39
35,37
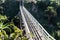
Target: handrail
25,24
38,25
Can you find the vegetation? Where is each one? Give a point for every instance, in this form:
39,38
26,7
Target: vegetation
48,14
8,31
10,8
8,28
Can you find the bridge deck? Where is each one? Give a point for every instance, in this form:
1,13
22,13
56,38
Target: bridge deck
33,26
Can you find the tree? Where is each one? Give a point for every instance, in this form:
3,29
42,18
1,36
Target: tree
11,8
0,1
58,11
1,8
51,14
53,4
42,5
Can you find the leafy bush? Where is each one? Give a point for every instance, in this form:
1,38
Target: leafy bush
9,31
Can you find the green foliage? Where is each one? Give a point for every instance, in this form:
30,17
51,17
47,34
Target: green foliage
11,8
42,5
9,31
50,13
3,18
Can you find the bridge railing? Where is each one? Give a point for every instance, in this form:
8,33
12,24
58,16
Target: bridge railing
38,26
25,24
